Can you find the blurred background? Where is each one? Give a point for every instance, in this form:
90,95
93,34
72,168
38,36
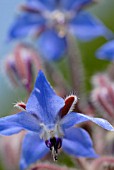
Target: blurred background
9,95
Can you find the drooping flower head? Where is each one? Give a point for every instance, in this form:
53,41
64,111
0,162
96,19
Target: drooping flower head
19,66
53,20
102,95
50,122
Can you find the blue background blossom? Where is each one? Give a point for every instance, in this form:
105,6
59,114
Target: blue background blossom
106,51
53,20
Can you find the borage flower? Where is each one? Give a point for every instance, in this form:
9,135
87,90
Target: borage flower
50,121
52,20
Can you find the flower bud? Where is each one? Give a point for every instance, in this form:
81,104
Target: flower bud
10,150
102,96
19,66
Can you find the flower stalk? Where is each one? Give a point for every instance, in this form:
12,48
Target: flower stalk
75,66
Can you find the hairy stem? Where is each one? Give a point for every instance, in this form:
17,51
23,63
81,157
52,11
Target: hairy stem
57,77
75,67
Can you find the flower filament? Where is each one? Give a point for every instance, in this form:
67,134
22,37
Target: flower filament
54,144
53,138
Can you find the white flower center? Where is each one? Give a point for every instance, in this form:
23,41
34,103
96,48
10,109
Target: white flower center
51,131
58,19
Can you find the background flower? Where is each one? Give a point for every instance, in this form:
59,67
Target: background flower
102,95
21,64
53,20
106,51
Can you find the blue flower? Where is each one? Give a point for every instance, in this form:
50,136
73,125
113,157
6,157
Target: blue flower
106,51
50,122
52,20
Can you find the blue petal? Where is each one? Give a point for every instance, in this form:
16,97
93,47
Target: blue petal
25,24
77,142
76,118
15,123
51,46
86,27
33,149
43,101
74,4
42,4
106,51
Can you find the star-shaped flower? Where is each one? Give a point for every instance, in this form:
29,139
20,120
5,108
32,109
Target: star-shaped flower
52,20
50,122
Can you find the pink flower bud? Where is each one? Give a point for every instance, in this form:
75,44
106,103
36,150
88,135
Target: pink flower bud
102,96
20,64
10,150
